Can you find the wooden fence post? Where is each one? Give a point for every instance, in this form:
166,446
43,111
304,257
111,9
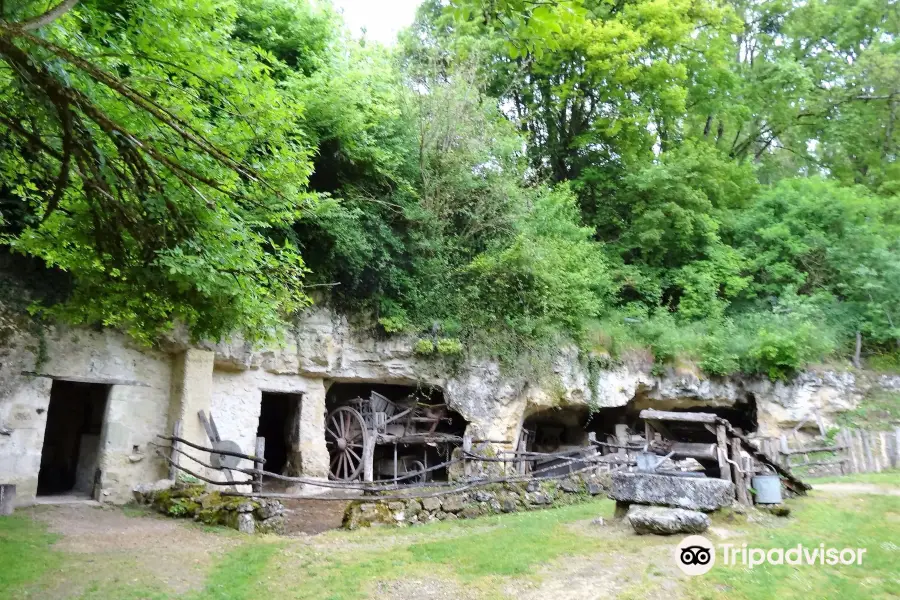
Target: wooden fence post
897,447
521,448
467,447
369,456
740,484
722,452
175,456
259,452
866,450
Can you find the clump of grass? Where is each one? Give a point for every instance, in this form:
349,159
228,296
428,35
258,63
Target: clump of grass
25,552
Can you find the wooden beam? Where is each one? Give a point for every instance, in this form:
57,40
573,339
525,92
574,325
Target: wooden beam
722,452
684,417
176,446
740,484
259,452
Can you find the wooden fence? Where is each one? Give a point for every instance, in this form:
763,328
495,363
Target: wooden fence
850,451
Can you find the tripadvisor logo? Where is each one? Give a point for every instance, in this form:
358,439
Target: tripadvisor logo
696,555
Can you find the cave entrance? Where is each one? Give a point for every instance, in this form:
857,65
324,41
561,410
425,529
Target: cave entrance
556,430
279,424
414,431
70,457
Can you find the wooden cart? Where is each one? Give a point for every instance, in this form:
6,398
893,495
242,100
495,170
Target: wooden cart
379,420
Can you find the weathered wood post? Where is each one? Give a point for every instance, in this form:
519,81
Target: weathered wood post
897,447
7,499
521,449
722,452
740,485
369,456
622,439
259,452
175,455
467,448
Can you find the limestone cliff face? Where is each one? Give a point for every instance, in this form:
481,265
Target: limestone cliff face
323,349
326,346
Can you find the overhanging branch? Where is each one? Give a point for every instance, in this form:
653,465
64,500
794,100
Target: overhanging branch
46,18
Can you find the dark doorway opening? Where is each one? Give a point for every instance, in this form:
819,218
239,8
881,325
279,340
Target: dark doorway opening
279,424
71,451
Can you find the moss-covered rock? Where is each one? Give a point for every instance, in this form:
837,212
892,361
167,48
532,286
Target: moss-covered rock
194,501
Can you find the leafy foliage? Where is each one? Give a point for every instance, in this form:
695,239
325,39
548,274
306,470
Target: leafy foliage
710,182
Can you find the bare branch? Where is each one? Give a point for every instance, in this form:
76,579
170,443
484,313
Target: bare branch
48,17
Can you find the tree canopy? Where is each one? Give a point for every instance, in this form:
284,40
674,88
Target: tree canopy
712,180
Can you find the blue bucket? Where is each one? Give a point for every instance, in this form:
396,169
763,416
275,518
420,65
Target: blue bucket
768,489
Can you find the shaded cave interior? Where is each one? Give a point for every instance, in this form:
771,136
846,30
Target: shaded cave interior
404,443
561,429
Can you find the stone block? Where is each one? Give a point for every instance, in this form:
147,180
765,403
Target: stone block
452,504
431,504
706,494
666,521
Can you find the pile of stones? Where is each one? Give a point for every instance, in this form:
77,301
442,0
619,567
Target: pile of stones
669,504
195,501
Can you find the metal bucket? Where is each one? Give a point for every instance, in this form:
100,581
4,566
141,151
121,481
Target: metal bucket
768,489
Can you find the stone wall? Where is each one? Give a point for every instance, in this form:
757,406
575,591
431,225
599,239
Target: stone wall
487,500
153,388
136,408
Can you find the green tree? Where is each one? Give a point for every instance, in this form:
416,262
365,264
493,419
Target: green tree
152,160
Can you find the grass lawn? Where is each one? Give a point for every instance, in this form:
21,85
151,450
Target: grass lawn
546,554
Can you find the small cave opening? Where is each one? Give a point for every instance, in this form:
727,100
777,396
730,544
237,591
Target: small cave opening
553,431
413,428
70,456
279,424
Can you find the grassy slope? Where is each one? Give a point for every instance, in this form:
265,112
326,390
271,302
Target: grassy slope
483,556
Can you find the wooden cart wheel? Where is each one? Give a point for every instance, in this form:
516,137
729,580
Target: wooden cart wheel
417,466
345,435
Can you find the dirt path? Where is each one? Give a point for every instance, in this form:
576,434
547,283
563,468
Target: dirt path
146,549
311,516
856,488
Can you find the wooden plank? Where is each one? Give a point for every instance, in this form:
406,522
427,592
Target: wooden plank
844,436
821,424
740,483
722,452
467,448
523,442
259,451
207,427
820,463
748,477
176,457
648,434
684,417
687,449
215,430
874,440
369,456
897,447
867,450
